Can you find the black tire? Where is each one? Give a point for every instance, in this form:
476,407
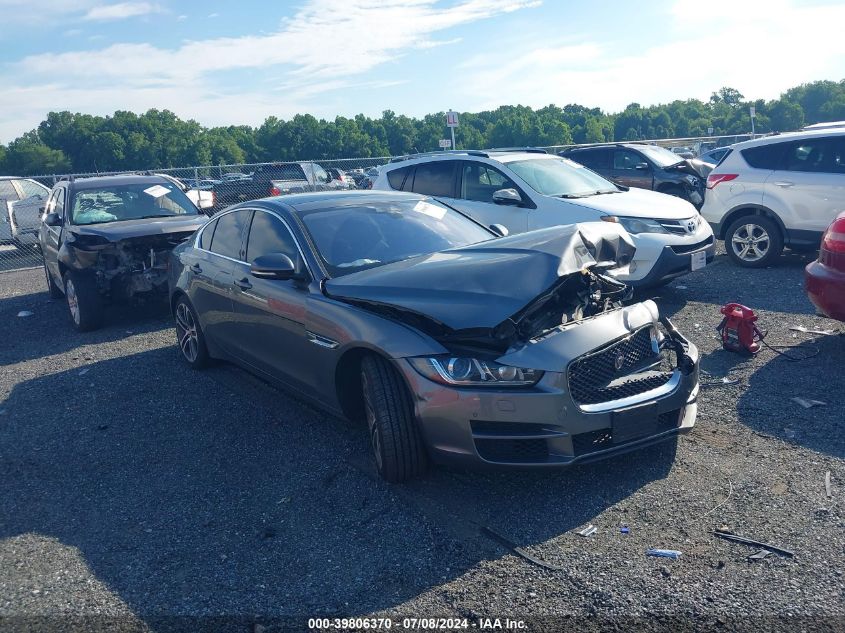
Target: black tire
52,288
757,235
189,335
81,290
394,435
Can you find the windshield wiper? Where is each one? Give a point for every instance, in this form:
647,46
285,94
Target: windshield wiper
577,195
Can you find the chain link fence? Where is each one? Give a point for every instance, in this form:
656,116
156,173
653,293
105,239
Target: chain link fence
215,187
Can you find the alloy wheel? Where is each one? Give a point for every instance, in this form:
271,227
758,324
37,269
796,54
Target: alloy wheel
750,242
72,301
186,332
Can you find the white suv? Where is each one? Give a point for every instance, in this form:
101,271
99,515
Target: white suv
777,191
529,189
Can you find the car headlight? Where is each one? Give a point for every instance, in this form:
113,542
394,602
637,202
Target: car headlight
465,371
636,225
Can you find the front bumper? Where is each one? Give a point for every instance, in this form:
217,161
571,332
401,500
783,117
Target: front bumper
674,261
826,289
543,426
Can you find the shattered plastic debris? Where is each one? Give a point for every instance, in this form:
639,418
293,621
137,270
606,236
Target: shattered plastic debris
624,529
801,328
807,403
718,383
730,536
681,287
827,487
589,530
789,434
664,553
759,554
25,313
82,372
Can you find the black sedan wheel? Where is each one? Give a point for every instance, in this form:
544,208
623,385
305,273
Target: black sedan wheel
189,335
394,435
83,301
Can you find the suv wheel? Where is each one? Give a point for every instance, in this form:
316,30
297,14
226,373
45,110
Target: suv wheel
754,241
83,301
394,435
189,335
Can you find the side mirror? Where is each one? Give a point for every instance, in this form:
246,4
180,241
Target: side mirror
641,166
53,219
499,229
275,266
507,197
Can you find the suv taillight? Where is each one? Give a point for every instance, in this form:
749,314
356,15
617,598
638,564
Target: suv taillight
834,238
275,191
715,179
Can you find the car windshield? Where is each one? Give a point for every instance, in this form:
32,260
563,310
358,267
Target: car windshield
370,234
130,202
561,177
660,155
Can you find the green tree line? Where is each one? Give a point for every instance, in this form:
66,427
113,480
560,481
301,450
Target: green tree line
68,142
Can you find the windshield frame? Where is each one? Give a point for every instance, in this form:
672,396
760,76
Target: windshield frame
184,202
329,268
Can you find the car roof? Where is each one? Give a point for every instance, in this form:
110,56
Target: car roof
95,182
300,202
789,136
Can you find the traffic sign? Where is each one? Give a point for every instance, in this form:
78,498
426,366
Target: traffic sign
451,119
445,143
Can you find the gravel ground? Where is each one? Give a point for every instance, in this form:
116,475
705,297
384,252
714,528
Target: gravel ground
138,495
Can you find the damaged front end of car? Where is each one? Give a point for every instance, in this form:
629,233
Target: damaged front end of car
123,268
575,373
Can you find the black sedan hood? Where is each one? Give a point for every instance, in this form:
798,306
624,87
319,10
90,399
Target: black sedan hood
143,227
485,284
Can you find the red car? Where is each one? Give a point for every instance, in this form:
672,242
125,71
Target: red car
825,277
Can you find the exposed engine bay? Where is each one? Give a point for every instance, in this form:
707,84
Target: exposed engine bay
124,268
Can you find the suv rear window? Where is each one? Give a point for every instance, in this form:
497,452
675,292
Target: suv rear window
765,156
396,178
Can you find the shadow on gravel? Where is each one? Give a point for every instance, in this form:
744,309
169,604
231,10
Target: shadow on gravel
209,493
48,330
766,405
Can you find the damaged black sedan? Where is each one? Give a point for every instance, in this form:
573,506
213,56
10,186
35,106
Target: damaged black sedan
108,238
453,343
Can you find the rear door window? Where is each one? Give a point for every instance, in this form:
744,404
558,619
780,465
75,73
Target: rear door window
625,159
810,155
32,189
8,191
228,236
592,158
764,156
436,178
206,235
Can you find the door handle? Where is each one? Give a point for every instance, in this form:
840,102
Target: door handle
783,183
243,284
196,268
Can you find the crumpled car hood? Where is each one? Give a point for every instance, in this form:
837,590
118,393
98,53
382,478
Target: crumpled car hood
694,167
129,229
483,285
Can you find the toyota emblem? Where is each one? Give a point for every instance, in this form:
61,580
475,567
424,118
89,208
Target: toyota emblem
619,361
691,226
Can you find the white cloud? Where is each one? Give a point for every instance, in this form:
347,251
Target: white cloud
780,45
319,49
121,11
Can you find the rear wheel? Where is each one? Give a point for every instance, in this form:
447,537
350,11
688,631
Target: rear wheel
189,335
754,241
394,435
83,301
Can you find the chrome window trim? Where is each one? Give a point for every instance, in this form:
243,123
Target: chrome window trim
255,210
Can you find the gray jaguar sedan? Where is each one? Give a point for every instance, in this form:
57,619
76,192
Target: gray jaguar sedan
454,343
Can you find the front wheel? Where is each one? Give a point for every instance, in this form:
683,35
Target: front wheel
83,301
394,435
753,241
